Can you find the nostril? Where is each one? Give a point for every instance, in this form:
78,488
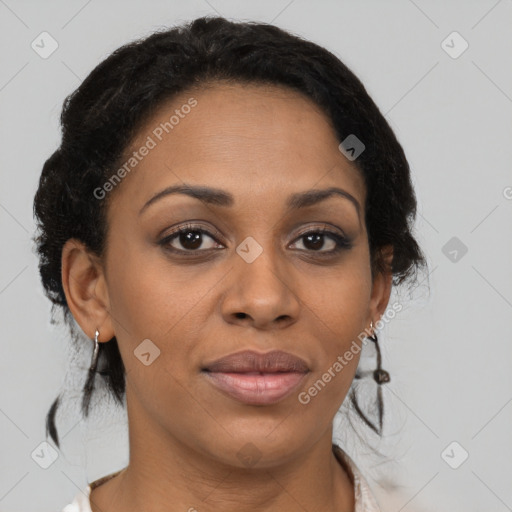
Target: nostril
240,315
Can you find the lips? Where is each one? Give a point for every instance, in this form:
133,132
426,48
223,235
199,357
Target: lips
250,361
257,379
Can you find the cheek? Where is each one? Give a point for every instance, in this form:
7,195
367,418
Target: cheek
149,295
340,307
341,299
152,299
150,307
340,315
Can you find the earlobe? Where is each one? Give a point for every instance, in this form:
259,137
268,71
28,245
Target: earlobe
86,292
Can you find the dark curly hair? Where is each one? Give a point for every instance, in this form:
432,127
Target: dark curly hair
103,115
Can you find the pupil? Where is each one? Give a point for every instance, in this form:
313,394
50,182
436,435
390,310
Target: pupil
317,240
191,239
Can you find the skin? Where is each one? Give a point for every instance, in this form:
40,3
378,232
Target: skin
261,144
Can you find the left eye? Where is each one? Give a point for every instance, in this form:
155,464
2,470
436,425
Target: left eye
315,240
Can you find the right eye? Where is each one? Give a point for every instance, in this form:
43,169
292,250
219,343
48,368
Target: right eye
190,237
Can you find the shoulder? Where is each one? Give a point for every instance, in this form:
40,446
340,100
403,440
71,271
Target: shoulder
364,499
80,502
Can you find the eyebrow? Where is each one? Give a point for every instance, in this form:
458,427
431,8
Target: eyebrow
220,197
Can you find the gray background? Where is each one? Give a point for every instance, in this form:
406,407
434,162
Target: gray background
449,350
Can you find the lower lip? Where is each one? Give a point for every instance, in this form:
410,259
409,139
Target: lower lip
256,389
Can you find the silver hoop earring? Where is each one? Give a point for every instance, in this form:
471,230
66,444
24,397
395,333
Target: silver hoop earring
96,351
89,383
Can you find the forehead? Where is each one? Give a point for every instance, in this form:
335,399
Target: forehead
257,141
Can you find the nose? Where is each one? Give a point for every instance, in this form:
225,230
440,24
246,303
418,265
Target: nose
260,294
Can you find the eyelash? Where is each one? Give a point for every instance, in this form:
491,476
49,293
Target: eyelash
341,242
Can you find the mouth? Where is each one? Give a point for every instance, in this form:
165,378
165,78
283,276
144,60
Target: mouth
257,379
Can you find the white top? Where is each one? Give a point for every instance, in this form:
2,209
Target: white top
364,499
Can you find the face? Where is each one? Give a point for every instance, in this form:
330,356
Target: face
251,270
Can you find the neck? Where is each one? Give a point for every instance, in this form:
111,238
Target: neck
164,471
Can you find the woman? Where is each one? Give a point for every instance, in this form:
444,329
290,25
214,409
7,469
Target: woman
225,217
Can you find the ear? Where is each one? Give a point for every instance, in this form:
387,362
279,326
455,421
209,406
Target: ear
86,291
381,287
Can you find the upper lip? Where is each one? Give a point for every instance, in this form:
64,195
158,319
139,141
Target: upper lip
251,361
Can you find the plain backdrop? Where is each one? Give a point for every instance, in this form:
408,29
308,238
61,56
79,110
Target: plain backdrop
448,97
